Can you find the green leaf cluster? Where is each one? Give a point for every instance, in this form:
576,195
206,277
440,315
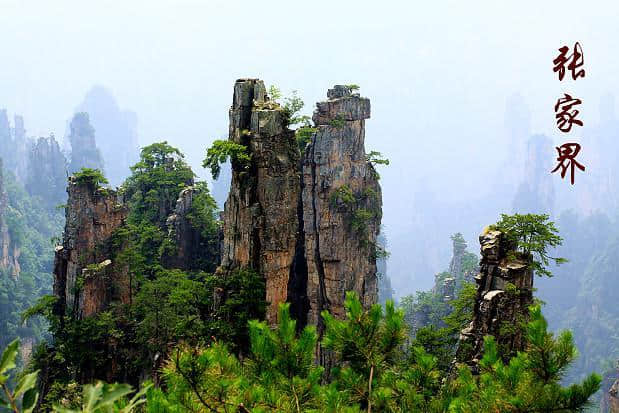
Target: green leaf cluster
220,151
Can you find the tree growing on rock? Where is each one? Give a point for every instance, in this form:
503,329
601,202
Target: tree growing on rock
533,235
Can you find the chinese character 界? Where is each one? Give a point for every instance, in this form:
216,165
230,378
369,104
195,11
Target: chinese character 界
577,61
567,154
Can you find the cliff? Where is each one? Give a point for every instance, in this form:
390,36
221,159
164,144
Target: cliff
260,224
341,206
504,294
85,279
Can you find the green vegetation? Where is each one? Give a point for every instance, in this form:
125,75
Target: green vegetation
219,153
530,382
23,397
30,227
92,177
352,87
343,195
375,371
532,234
376,158
338,122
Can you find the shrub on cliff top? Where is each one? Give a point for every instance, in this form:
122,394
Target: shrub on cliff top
92,177
533,235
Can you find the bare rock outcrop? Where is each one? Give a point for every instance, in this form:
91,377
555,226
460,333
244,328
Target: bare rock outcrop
192,249
86,280
260,215
341,206
504,294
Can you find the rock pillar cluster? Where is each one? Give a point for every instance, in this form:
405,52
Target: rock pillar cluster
86,280
308,226
504,294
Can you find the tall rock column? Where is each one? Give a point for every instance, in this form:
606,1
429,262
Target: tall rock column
341,206
84,151
86,279
504,294
260,216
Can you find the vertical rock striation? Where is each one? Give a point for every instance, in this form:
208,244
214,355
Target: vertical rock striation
85,278
504,294
341,206
260,215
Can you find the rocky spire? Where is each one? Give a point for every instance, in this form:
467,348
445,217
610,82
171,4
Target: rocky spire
260,216
116,132
536,192
48,172
341,206
84,152
86,280
504,294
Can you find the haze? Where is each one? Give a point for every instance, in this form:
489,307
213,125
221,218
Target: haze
439,75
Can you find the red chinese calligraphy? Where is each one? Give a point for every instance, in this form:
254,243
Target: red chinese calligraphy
565,115
577,61
567,160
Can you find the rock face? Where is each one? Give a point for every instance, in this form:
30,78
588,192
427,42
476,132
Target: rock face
341,206
260,216
308,227
192,251
9,251
84,152
504,294
86,280
48,172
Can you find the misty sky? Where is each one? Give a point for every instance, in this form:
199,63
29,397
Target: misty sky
438,73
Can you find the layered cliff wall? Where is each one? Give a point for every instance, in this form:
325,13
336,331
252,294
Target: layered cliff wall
504,294
260,215
86,280
341,206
